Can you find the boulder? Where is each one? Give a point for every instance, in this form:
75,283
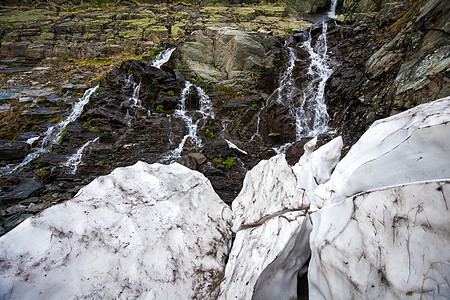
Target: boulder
218,54
150,231
13,151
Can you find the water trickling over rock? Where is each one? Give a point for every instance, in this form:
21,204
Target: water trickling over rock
191,118
311,116
54,133
162,57
75,159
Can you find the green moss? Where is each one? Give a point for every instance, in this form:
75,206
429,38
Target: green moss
229,162
42,173
55,120
289,30
209,133
99,79
170,93
63,135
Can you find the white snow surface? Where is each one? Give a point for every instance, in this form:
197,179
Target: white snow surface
315,167
264,249
269,188
386,244
412,146
147,231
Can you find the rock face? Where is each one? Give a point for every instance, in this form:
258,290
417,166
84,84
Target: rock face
152,231
218,54
391,60
100,32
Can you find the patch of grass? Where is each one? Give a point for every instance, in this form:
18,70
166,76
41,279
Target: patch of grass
96,62
229,162
289,30
159,108
409,15
100,78
209,133
98,89
63,135
154,52
198,80
154,81
170,93
95,129
42,173
55,120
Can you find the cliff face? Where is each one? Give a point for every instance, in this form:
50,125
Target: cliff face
388,62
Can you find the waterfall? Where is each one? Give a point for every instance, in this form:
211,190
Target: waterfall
162,58
332,12
181,112
285,89
53,133
133,102
310,113
311,116
75,159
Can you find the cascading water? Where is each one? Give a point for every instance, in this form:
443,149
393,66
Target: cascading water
133,102
53,134
162,58
311,116
310,113
332,12
205,111
75,159
285,88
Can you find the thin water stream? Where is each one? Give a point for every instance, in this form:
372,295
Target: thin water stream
53,133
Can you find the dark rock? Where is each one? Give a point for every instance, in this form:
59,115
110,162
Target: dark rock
15,220
21,192
218,147
277,124
14,151
198,158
